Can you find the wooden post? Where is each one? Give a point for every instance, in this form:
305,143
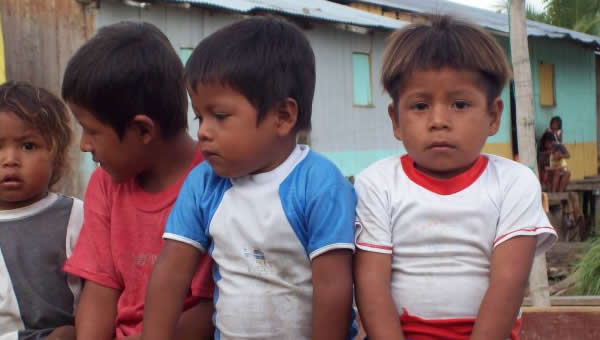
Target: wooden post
39,39
538,280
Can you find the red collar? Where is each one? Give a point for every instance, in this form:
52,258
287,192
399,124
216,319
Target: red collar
447,186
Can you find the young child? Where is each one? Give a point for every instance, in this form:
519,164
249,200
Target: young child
556,128
276,217
38,228
446,235
133,111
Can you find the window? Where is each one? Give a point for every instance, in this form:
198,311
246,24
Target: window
361,64
546,80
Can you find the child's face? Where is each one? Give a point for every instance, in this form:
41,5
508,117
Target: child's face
555,126
26,163
548,144
443,118
228,134
122,158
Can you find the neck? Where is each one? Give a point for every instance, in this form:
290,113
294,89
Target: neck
278,155
170,160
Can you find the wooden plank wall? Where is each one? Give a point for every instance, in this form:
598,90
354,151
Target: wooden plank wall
40,37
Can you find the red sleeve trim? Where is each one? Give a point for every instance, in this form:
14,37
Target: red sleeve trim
528,230
376,246
94,277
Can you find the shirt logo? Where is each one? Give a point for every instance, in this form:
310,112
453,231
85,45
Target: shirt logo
257,262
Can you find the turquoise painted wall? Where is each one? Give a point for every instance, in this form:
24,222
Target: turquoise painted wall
574,88
503,135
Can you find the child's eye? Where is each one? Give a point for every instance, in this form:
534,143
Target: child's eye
460,105
28,146
221,116
419,106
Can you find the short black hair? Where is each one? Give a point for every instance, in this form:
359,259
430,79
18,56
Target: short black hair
548,136
126,69
266,59
558,120
444,42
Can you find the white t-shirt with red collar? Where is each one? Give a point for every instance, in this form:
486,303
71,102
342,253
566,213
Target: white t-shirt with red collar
442,232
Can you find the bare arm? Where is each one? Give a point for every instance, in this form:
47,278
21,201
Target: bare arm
96,312
372,273
168,287
196,322
509,271
332,295
62,333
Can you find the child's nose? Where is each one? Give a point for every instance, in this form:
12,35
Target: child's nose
9,158
439,117
84,144
204,132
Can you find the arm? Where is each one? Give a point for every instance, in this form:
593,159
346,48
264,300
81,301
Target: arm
62,333
168,287
332,295
96,312
509,271
196,322
372,273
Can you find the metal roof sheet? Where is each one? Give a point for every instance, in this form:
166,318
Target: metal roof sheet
488,19
315,9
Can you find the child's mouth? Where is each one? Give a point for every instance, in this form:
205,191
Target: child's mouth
440,146
11,181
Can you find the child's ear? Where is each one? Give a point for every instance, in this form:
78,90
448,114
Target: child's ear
495,113
395,124
144,127
286,116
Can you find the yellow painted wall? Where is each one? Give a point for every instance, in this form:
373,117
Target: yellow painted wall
2,63
584,159
500,149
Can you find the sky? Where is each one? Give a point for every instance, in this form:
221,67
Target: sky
491,4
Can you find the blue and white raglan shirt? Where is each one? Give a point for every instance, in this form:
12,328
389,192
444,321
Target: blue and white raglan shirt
262,232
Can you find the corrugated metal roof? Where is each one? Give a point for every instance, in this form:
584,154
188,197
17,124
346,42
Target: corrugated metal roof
315,9
488,19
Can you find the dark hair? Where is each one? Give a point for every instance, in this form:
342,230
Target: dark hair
547,136
446,42
126,69
265,59
556,119
44,112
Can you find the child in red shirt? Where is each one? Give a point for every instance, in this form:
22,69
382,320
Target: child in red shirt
133,111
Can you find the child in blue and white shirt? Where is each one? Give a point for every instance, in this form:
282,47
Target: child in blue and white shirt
276,217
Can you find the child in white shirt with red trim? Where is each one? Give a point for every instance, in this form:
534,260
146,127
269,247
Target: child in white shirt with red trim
446,235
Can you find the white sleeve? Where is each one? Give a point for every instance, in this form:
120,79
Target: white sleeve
73,229
522,214
373,215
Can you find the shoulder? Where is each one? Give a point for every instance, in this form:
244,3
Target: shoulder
316,170
202,180
381,171
512,176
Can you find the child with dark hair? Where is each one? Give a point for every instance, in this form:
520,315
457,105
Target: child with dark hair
38,228
276,217
556,128
552,163
446,235
125,87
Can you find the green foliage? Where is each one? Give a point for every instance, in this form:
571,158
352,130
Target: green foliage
587,271
579,15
